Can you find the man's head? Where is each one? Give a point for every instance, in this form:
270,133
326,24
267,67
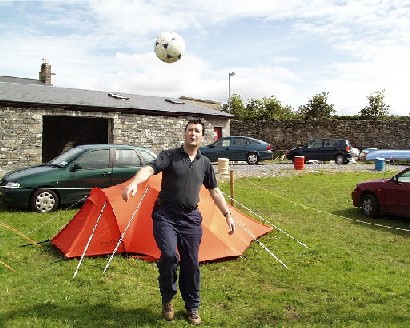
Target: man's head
196,121
194,133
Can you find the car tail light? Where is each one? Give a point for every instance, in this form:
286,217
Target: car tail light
347,149
268,147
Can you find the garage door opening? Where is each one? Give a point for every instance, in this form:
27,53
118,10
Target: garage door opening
61,133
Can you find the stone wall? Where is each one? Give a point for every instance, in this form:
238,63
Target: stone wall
284,135
21,132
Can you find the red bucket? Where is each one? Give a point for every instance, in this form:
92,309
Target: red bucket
299,162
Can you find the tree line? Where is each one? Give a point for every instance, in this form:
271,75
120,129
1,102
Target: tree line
316,108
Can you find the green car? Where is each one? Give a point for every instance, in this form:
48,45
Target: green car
68,178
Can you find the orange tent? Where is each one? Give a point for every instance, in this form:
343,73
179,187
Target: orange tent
105,217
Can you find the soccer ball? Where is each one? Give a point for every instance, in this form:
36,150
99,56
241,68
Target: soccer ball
169,47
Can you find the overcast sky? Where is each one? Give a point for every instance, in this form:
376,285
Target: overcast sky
291,49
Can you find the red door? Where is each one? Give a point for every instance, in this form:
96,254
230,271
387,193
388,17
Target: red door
217,133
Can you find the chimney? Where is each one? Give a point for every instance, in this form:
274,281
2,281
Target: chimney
45,73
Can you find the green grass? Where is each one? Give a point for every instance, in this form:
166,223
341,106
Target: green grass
351,275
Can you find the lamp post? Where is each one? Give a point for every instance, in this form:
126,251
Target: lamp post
229,90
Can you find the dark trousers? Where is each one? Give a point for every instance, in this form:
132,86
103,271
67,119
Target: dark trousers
178,235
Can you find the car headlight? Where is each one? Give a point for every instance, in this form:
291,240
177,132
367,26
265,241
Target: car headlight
12,185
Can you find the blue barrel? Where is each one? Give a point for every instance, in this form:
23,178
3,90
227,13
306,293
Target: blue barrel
379,164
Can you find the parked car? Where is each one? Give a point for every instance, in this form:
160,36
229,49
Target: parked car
390,196
364,152
338,150
238,148
69,177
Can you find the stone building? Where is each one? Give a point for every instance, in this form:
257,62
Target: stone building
38,121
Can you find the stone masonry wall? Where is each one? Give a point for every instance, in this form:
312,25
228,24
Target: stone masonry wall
284,135
21,132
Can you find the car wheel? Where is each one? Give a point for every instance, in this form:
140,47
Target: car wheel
340,159
252,158
370,206
43,200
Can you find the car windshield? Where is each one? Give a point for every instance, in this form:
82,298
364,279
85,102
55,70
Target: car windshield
65,158
147,155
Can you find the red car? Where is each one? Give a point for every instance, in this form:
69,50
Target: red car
390,196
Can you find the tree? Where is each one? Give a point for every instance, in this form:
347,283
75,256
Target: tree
237,107
274,109
265,108
377,107
317,107
254,109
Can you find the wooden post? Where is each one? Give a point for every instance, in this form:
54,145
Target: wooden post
231,183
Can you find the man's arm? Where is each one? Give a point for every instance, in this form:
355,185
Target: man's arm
141,176
220,202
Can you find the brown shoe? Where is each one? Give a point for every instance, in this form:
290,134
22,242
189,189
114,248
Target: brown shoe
193,317
168,311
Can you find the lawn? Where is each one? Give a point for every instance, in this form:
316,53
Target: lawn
354,272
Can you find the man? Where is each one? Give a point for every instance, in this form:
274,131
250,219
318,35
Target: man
177,220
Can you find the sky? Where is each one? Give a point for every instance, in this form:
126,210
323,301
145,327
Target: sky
289,49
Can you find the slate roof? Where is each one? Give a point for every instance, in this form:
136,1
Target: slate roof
17,90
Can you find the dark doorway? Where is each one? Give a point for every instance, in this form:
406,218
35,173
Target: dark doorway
61,133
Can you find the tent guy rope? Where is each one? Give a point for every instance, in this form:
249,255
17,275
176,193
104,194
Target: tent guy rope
2,224
327,213
125,230
267,221
7,266
56,216
262,245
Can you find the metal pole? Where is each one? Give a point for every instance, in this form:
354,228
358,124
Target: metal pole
229,90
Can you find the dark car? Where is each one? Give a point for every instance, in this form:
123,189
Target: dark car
390,196
238,148
68,178
338,150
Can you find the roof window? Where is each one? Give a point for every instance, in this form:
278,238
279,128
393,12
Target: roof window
118,96
174,101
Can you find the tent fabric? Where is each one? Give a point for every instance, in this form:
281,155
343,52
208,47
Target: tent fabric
138,239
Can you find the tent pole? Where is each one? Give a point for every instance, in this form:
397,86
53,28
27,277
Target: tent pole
89,240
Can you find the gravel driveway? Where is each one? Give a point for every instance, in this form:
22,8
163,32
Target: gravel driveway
266,169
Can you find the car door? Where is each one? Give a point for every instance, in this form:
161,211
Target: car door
314,149
397,195
239,149
220,149
127,162
91,169
327,152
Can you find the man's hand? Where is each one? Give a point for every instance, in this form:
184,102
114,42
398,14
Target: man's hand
130,190
231,223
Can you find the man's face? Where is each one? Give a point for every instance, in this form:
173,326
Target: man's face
193,135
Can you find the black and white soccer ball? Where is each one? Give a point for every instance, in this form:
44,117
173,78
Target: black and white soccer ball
169,47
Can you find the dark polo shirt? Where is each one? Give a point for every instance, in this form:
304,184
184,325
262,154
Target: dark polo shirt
181,178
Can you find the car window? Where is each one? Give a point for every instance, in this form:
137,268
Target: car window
315,144
240,142
330,143
223,143
127,158
340,143
95,159
404,177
